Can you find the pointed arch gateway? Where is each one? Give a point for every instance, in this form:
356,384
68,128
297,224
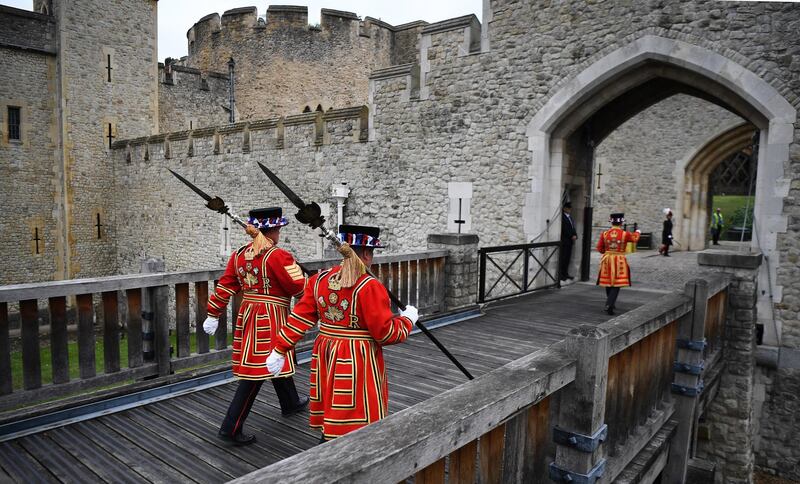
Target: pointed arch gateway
693,185
583,110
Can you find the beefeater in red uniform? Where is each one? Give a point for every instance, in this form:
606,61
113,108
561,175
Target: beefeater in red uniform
268,277
614,270
349,387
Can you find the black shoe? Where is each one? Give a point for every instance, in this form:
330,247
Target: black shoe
238,439
609,310
666,255
301,405
570,277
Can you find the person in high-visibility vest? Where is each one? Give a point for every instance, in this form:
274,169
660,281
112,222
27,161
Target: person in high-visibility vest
717,221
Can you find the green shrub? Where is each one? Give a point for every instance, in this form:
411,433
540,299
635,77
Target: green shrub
738,218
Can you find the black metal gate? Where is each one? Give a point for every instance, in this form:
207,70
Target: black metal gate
516,269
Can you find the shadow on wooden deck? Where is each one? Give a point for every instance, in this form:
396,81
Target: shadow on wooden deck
175,440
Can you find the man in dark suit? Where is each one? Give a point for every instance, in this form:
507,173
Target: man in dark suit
568,237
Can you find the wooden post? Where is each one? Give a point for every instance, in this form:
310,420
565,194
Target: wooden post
6,385
154,313
110,332
182,319
161,329
59,346
582,409
686,386
201,296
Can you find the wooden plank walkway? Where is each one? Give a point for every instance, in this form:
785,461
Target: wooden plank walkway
175,440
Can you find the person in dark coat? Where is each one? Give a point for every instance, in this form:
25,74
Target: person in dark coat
568,237
666,234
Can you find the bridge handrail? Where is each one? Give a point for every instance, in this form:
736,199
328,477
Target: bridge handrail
637,405
71,287
633,326
504,248
146,307
396,447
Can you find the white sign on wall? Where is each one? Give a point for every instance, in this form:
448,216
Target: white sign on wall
459,218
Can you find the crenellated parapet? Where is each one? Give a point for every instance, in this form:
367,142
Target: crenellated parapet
309,130
284,65
439,46
189,98
22,29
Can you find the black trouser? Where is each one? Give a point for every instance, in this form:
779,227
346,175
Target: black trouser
246,394
611,296
566,255
715,235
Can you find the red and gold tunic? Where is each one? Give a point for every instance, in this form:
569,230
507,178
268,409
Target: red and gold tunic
614,270
268,281
349,388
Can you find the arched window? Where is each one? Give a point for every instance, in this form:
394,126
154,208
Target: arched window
307,109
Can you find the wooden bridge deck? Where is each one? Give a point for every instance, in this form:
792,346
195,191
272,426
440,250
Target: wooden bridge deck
175,440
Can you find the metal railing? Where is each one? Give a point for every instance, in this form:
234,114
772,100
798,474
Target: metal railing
516,269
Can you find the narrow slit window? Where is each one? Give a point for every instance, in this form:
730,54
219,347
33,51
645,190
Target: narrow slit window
99,226
110,135
14,123
37,241
108,66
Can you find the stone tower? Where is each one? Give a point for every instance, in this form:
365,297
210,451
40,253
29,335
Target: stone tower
78,74
107,73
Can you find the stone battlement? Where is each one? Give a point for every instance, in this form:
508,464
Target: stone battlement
23,29
287,21
305,66
297,131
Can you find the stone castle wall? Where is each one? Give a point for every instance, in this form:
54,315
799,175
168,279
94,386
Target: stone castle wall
189,99
129,102
27,193
310,152
284,65
27,30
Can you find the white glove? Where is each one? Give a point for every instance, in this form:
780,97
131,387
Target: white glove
639,232
275,362
411,313
669,236
210,325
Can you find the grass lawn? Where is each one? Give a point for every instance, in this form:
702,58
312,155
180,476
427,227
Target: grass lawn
47,367
729,204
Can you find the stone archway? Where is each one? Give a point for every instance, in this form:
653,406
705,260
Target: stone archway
693,186
700,72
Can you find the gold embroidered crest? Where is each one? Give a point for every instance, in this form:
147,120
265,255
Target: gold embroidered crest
250,279
333,297
334,314
334,284
344,304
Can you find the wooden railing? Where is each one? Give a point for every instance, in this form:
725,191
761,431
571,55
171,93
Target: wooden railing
492,429
82,310
501,427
